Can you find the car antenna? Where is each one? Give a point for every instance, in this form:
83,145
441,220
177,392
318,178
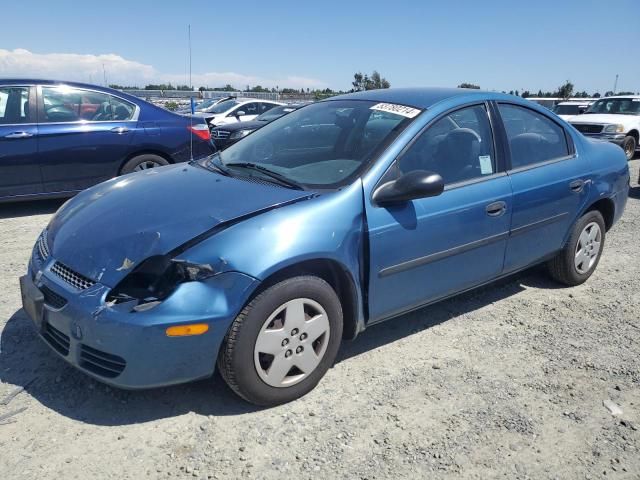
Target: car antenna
191,102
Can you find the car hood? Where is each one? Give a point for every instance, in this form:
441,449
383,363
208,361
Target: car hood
605,118
107,230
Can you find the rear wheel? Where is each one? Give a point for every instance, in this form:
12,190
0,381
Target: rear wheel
283,342
578,260
143,162
629,146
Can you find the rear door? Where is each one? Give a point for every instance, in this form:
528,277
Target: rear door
19,170
550,184
83,136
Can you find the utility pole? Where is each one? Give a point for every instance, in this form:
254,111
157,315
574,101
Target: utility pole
615,85
104,75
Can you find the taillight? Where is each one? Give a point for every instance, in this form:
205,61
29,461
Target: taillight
201,131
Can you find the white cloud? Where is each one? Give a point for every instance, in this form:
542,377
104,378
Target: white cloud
89,68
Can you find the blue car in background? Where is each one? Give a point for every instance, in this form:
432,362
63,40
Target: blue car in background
57,139
345,213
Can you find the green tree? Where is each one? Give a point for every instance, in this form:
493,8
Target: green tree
608,93
364,82
566,90
469,85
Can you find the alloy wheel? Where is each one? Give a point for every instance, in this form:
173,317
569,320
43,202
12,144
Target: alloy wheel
292,342
588,248
146,165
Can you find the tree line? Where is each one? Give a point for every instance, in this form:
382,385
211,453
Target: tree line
362,82
566,90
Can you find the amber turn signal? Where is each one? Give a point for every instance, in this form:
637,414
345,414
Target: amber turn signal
187,330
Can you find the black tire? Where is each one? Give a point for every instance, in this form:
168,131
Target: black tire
139,160
562,267
236,358
629,146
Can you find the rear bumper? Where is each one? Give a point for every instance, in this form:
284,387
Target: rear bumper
131,350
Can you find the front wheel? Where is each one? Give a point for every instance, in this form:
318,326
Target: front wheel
283,342
575,263
629,146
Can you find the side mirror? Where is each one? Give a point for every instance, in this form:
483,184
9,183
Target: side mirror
240,113
410,186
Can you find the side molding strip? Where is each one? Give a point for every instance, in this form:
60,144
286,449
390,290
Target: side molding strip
416,262
538,224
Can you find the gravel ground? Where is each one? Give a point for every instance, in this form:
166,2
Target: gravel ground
506,381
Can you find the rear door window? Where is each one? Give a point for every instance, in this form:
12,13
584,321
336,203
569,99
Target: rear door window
65,104
14,105
533,137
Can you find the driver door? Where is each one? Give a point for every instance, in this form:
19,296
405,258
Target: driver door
430,248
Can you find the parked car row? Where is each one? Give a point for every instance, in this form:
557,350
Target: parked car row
226,135
615,119
56,139
232,110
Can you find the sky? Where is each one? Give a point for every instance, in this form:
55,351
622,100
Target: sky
497,44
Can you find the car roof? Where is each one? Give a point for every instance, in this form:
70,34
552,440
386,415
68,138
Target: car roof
620,96
39,81
88,86
575,102
417,97
248,99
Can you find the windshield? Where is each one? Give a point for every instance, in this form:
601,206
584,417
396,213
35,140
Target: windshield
322,145
620,106
206,104
567,109
224,106
274,113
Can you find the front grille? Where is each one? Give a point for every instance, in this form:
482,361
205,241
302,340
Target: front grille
72,278
43,246
588,127
58,340
52,299
221,134
101,363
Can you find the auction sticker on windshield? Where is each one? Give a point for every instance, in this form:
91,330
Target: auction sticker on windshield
403,110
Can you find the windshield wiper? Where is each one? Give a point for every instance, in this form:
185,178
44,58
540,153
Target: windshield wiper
269,173
209,164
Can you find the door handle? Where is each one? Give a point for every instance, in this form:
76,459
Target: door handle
16,135
119,130
577,186
496,209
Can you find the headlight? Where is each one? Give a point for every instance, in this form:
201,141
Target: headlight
240,134
155,279
614,129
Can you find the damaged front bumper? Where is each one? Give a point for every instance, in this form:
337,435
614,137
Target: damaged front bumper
129,349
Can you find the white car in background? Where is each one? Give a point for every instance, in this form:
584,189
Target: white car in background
566,110
615,119
236,110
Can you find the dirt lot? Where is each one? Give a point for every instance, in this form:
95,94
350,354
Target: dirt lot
508,381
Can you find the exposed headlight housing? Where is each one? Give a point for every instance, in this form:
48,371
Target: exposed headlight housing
616,128
240,134
156,278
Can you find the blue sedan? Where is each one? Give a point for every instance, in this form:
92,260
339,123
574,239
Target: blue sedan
59,138
262,258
